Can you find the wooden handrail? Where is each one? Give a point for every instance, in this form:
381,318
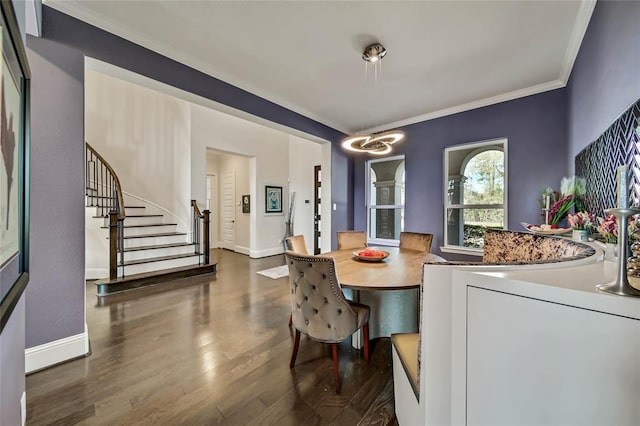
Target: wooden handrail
196,208
121,209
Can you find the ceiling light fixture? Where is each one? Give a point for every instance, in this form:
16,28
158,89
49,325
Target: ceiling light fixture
374,143
374,52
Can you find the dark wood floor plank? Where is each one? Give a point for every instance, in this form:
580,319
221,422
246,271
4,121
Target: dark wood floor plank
208,350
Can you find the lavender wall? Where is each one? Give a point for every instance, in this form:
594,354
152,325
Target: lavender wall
536,130
605,79
12,383
109,48
55,294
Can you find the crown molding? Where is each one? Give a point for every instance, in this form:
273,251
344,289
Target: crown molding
577,35
78,11
516,94
82,13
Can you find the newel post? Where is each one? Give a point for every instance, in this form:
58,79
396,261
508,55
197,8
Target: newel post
205,231
113,245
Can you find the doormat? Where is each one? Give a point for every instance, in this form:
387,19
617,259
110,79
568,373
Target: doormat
275,273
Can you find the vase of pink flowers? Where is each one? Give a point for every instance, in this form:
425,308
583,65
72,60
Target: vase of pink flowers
608,229
581,223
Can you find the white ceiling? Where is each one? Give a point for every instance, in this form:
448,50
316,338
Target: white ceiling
443,56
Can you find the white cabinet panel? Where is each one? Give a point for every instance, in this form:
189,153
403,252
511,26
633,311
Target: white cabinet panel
531,362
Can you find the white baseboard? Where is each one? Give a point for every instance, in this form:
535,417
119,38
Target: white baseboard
242,250
266,252
96,273
55,352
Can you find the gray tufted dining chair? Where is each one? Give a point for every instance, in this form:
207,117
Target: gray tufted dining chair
296,244
416,241
319,308
351,239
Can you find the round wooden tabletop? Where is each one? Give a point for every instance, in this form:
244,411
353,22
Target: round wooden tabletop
401,270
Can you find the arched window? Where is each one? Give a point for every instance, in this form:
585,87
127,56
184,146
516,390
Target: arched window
476,192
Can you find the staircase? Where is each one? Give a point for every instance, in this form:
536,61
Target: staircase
144,248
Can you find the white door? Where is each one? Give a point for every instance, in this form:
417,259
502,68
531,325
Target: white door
228,209
212,206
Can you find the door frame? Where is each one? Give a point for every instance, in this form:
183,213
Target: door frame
214,217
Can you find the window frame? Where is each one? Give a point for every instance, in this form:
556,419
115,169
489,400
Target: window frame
369,207
474,149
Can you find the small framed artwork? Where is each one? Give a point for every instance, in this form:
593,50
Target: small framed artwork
246,200
272,199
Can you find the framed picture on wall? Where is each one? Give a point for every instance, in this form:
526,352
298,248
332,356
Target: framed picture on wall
272,199
246,201
14,186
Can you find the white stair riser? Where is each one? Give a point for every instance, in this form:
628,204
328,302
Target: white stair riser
169,251
131,221
130,210
156,266
146,230
149,241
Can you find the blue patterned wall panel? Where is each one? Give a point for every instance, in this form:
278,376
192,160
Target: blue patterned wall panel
597,163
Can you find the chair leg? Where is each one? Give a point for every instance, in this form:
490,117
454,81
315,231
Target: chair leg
365,335
336,368
290,320
294,354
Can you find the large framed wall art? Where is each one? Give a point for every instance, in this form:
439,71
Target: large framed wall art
14,164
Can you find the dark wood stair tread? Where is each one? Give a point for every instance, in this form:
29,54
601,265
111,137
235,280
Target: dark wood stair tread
132,215
158,259
106,287
164,234
157,246
126,207
144,226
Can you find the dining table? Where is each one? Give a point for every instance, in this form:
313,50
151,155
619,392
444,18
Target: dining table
385,286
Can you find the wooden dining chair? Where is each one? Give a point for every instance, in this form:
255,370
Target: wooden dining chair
296,244
320,309
351,239
416,241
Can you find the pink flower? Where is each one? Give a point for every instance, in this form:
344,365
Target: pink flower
581,220
608,228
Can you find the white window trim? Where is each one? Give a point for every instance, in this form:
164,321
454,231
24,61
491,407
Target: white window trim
368,205
449,248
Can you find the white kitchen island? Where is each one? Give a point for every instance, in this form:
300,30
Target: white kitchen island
528,345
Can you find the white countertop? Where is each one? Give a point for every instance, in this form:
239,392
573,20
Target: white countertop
573,285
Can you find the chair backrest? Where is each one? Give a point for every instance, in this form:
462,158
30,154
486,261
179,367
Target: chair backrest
416,241
351,239
318,306
296,244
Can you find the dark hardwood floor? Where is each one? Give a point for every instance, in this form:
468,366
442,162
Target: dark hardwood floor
209,350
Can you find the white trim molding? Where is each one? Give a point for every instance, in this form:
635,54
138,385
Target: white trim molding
48,354
242,250
96,273
266,252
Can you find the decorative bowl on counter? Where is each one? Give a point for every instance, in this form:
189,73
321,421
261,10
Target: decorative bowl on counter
544,229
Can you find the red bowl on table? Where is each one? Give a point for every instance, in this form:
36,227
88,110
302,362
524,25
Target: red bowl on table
371,255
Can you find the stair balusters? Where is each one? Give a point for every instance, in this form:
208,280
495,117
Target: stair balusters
203,236
104,192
